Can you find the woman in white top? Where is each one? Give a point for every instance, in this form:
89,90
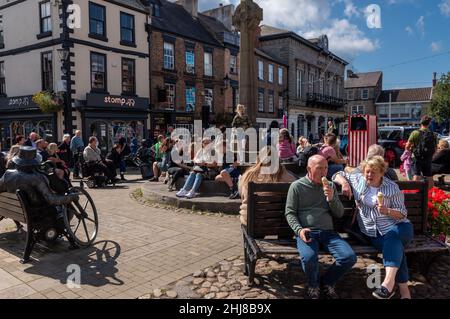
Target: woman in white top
382,220
204,160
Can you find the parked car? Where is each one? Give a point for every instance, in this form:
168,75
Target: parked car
393,139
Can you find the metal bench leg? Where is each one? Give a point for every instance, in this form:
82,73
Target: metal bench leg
251,277
28,246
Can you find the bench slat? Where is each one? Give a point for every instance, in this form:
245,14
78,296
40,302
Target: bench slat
13,215
10,202
421,243
8,195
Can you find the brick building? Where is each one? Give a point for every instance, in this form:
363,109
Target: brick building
190,67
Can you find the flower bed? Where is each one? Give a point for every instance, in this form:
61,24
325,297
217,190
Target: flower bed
439,213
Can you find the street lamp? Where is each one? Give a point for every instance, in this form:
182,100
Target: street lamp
226,83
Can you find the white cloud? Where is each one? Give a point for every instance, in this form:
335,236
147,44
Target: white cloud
436,46
350,9
311,18
409,30
445,7
345,38
420,25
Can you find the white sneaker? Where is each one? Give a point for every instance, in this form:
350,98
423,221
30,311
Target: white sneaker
191,195
181,193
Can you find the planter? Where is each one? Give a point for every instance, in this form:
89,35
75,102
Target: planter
47,102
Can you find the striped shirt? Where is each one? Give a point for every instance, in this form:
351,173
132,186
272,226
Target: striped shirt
370,220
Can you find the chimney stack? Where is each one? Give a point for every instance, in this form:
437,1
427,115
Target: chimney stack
434,79
190,6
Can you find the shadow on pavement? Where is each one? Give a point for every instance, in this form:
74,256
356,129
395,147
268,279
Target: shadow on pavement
97,263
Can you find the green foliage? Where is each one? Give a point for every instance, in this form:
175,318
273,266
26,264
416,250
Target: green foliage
47,102
440,104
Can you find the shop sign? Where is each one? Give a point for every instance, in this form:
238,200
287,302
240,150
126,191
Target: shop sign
99,100
18,103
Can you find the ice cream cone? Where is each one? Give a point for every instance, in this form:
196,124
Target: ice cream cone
380,198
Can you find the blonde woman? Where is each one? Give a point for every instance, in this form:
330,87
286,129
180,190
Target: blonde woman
254,174
382,221
14,150
440,163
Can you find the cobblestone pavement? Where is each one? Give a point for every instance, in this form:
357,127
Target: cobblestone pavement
282,278
138,249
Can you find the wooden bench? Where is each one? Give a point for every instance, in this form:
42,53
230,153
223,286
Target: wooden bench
267,232
15,206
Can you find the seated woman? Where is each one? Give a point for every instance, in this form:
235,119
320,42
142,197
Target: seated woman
204,161
328,150
61,170
180,169
255,174
286,147
382,221
230,172
440,163
166,160
302,144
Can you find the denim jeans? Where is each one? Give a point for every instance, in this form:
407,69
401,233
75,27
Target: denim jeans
123,166
392,246
336,246
193,182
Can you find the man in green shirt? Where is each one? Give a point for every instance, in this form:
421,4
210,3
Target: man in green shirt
156,147
310,207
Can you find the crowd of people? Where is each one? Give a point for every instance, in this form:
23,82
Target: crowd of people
68,156
312,200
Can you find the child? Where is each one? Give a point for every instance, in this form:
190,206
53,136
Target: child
407,161
286,147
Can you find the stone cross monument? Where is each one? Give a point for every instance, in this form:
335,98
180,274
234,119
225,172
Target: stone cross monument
246,19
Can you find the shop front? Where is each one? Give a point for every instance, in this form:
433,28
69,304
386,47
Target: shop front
21,116
111,117
163,122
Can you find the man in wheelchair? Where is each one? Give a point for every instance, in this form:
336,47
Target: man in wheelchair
44,197
96,164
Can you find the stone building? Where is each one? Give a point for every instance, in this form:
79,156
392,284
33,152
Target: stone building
315,80
362,91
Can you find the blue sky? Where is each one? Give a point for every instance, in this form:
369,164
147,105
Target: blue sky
410,30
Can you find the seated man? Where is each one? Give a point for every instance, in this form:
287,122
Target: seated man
92,156
27,178
310,206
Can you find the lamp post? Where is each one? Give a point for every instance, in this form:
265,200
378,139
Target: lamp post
64,58
64,53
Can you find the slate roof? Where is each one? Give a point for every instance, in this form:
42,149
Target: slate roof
368,79
176,20
133,3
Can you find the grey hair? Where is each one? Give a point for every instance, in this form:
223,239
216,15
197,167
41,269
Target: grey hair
375,150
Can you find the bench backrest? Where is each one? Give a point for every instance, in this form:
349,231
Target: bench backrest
11,207
266,206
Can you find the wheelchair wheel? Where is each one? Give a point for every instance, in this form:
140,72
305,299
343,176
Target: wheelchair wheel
81,220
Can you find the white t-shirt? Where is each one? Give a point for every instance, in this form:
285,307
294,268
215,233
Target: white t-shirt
371,199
